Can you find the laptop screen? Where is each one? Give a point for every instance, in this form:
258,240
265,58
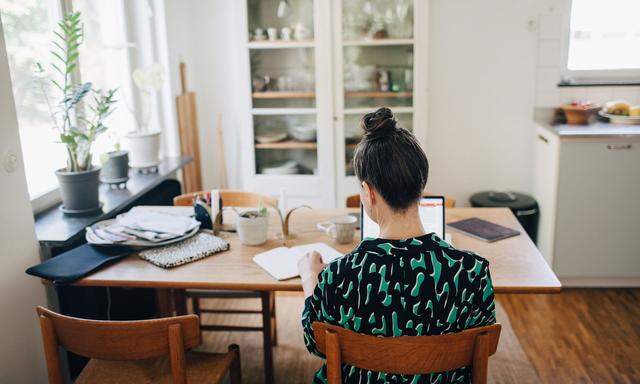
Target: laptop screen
431,215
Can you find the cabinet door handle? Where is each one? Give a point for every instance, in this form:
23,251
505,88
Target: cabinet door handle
543,139
614,147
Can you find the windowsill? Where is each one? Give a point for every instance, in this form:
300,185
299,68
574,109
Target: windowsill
599,83
46,200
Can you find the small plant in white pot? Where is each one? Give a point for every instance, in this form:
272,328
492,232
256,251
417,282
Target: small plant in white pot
144,144
253,226
79,119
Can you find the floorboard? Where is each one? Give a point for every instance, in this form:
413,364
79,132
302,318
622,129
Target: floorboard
579,335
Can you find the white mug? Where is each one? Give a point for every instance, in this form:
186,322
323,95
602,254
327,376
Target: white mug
272,33
341,228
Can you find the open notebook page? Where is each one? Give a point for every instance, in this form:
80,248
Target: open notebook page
282,262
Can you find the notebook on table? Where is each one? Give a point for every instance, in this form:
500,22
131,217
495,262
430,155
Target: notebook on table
282,262
483,230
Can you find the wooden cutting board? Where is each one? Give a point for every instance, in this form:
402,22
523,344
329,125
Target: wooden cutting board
188,130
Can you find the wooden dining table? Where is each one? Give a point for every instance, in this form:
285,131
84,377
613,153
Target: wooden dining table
515,264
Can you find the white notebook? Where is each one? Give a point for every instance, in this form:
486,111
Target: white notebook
282,262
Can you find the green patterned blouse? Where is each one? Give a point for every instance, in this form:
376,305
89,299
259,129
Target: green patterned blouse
412,287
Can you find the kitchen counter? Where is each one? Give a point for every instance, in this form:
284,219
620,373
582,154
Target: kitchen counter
596,130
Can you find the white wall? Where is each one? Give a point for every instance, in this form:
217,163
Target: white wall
21,356
205,35
552,18
481,94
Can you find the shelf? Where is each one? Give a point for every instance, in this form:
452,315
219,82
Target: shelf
283,95
362,111
289,144
283,111
351,146
280,44
380,95
376,42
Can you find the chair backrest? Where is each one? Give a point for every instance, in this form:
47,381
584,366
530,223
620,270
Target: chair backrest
407,355
353,201
229,199
118,340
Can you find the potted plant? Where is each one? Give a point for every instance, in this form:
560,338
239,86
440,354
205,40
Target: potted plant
252,226
144,144
115,167
79,117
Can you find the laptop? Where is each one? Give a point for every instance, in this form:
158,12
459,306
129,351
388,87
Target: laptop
431,215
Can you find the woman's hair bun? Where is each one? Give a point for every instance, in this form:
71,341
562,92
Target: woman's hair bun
379,122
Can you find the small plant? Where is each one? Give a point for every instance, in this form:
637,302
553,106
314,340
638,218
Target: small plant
254,214
77,131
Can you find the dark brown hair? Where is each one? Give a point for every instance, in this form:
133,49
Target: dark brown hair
389,159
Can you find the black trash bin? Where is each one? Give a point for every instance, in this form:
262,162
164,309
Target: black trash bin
524,207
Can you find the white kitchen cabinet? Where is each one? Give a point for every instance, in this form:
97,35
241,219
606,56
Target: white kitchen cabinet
351,57
588,188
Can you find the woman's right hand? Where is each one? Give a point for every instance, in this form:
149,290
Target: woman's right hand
309,266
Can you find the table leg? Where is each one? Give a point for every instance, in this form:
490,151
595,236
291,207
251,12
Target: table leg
180,301
164,307
274,324
266,337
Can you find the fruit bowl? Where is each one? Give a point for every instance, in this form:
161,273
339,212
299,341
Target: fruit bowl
579,113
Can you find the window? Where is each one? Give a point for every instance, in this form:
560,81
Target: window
104,60
604,39
27,27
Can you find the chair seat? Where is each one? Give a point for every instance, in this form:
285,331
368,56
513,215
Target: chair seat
202,367
201,293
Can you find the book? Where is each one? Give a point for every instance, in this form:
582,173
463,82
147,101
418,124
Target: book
483,230
282,262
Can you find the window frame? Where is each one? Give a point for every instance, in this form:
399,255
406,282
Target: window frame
572,76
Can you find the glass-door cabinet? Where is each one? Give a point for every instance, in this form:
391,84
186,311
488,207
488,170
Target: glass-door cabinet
376,58
314,67
290,127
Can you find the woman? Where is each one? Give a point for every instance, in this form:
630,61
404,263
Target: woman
405,283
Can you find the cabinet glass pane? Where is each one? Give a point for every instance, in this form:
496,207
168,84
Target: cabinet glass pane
377,19
285,144
353,134
280,20
378,75
283,78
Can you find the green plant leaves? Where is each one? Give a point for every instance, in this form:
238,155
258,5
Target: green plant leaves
77,131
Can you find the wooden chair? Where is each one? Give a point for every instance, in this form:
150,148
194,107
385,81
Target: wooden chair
407,355
229,199
135,351
268,309
353,201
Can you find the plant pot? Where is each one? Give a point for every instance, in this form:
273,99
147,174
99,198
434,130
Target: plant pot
144,149
115,167
252,231
79,191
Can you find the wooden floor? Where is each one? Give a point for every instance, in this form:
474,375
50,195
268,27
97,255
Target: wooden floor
581,335
293,364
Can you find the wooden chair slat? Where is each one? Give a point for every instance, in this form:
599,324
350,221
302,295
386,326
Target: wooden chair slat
229,198
353,201
407,355
120,340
